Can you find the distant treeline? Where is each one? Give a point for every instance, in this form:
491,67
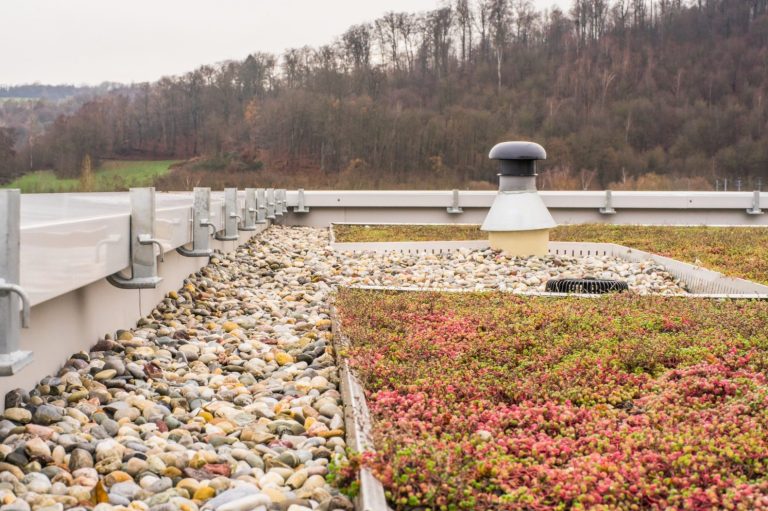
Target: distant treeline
623,94
52,92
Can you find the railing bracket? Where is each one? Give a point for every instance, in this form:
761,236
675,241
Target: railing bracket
201,212
279,202
301,207
261,206
608,208
455,209
755,209
250,211
271,204
12,296
231,218
143,242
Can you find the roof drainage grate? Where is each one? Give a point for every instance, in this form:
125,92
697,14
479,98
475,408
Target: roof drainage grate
586,286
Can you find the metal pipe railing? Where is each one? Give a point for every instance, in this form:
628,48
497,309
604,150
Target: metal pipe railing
12,358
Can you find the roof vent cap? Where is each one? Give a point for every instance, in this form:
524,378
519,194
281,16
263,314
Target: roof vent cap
518,158
518,151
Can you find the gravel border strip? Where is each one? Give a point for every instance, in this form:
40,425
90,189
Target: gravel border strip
701,282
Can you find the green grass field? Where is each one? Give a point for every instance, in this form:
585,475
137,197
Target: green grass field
112,176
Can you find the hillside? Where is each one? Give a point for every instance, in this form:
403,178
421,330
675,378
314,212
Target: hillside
623,94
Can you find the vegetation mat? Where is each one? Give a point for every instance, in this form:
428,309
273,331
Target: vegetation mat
733,251
374,233
493,401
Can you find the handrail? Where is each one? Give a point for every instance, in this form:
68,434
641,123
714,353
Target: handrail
23,296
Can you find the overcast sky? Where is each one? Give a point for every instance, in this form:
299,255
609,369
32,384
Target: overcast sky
92,41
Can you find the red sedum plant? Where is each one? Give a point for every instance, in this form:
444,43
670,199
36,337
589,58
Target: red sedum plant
495,401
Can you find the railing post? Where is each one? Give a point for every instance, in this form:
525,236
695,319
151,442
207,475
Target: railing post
261,206
454,208
608,208
12,297
201,223
143,242
302,206
249,211
284,198
755,209
231,218
280,202
270,203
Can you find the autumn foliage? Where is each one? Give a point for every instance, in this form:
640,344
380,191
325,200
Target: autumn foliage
662,94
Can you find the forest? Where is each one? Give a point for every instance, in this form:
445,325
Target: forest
623,94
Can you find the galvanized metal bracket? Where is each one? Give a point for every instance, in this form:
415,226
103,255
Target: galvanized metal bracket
250,212
755,209
454,208
261,206
301,207
12,359
201,239
608,208
279,202
271,204
143,242
231,218
284,200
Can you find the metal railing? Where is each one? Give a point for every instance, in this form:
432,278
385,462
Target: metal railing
53,244
459,206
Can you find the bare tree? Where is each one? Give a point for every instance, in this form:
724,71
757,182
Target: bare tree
499,22
464,17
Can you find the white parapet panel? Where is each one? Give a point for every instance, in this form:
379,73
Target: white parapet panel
552,199
69,241
567,207
651,200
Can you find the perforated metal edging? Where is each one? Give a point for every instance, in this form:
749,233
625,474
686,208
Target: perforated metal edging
406,247
700,282
358,424
551,295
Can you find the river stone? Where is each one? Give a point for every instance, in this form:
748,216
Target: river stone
46,414
37,482
127,489
232,495
20,415
15,398
204,493
17,505
107,465
313,482
107,374
341,502
248,503
37,448
80,458
11,469
297,479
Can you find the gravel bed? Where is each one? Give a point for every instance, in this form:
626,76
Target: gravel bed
486,269
226,397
